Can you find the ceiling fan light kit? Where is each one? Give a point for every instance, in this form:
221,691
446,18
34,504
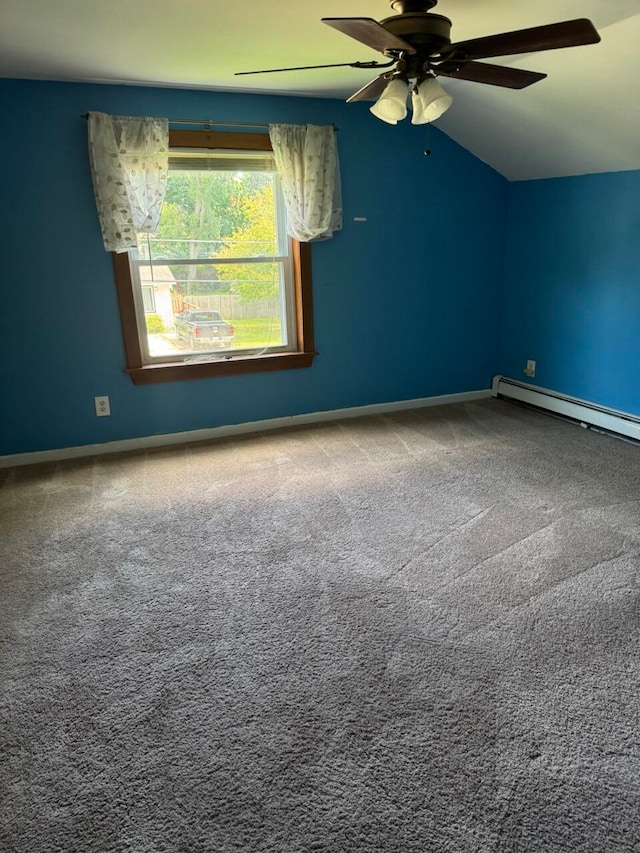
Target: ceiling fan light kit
418,43
391,106
430,101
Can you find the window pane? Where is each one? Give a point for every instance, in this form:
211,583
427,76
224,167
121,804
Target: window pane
216,214
214,308
221,249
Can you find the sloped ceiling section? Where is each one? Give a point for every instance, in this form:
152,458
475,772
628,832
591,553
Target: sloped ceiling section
583,118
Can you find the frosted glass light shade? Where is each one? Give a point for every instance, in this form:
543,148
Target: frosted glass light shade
391,106
429,102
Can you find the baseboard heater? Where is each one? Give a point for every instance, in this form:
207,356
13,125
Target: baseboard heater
581,411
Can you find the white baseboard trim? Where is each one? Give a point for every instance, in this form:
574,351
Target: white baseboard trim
39,456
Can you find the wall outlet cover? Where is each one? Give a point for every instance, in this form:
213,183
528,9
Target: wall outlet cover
103,409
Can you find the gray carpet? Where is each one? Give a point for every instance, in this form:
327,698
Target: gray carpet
414,632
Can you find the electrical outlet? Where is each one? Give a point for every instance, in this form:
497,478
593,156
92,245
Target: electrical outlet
530,369
102,406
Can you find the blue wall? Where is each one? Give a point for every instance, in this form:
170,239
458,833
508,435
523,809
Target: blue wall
572,286
406,304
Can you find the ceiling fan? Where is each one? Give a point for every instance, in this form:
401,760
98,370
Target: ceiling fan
419,48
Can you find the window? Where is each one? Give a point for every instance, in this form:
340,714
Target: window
220,288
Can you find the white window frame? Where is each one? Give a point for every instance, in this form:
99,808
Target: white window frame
285,291
148,290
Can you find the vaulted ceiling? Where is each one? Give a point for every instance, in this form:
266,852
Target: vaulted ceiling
584,118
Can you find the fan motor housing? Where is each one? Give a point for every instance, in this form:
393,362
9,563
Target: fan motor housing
408,6
426,32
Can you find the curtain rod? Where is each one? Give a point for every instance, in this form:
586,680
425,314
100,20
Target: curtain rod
211,123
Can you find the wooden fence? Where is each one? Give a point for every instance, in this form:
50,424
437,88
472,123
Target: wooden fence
230,306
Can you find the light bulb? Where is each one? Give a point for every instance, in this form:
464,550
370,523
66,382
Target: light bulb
391,106
429,102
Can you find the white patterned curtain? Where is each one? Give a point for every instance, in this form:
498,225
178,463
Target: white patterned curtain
129,164
307,163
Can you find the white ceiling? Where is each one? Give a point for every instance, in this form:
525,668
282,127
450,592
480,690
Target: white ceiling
585,117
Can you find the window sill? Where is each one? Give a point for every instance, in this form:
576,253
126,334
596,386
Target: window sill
236,366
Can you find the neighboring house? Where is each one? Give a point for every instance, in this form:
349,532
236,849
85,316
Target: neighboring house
157,284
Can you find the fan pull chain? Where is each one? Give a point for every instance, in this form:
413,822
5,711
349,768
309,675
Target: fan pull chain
427,150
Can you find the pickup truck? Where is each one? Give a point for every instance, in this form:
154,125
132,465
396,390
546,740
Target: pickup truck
203,328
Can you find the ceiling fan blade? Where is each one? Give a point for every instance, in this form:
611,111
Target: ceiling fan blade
369,32
549,37
306,67
371,91
493,75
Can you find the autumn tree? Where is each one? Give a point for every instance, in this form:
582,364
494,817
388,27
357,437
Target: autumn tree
256,237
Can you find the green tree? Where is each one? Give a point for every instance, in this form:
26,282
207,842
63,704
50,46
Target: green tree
255,237
201,210
204,206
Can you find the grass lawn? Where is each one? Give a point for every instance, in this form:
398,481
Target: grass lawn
256,332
